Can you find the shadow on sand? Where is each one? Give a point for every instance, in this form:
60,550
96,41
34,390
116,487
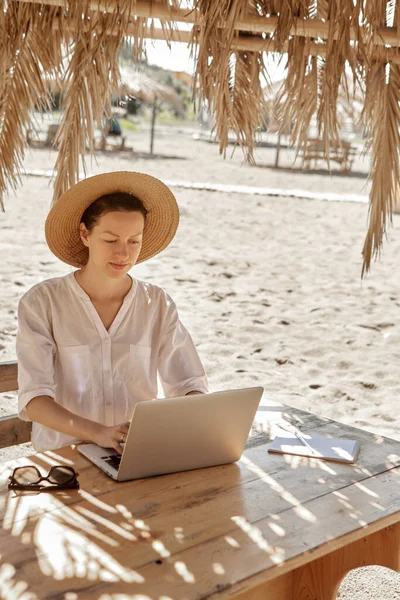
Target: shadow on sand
324,172
144,155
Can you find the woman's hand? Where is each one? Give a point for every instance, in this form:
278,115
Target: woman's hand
111,437
45,410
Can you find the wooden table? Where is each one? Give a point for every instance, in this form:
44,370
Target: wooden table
269,527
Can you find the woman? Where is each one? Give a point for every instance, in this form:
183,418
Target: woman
90,344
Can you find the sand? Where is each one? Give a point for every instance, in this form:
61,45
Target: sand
269,287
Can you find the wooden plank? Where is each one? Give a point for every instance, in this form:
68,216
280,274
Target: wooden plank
8,376
253,43
304,27
14,431
309,28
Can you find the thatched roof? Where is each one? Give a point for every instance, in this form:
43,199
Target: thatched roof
321,37
140,85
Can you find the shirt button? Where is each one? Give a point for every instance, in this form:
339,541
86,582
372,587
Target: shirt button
108,403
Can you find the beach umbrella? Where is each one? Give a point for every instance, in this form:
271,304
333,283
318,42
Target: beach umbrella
139,85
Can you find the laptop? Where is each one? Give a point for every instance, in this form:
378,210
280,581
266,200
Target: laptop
179,434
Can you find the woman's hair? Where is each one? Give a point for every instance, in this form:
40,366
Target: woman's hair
120,201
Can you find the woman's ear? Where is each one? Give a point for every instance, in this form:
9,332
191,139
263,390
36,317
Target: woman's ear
84,234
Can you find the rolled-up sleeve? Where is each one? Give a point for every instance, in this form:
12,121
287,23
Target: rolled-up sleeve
179,364
35,353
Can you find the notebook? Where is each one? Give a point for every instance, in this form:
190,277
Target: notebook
317,446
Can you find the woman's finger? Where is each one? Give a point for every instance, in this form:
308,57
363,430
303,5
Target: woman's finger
121,438
118,447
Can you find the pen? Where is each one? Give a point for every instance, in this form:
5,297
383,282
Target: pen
304,441
300,437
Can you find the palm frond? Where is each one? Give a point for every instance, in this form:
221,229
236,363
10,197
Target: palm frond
288,12
382,112
23,85
92,75
230,81
248,104
338,52
298,100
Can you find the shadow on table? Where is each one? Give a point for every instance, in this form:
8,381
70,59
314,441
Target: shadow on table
197,533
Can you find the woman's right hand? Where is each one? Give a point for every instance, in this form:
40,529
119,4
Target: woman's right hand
111,437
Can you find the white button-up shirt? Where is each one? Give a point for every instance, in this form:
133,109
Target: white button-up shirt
64,351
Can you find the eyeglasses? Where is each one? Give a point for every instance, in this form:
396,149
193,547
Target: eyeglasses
59,477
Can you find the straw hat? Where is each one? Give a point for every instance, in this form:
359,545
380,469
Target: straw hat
64,218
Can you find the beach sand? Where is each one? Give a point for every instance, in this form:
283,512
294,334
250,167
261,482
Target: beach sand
269,287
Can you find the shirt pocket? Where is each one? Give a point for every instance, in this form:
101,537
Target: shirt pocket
139,366
76,370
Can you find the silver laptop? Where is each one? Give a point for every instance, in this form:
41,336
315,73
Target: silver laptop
178,434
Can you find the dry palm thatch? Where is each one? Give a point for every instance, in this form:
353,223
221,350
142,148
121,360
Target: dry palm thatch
341,15
313,82
298,99
382,110
26,53
91,76
230,81
323,38
349,103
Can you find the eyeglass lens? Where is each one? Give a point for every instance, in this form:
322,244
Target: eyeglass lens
61,474
30,474
27,475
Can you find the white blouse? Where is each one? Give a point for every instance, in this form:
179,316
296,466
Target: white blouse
64,351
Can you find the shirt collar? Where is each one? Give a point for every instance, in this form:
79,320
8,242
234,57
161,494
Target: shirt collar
71,279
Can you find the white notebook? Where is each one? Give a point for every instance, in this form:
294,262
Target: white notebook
337,449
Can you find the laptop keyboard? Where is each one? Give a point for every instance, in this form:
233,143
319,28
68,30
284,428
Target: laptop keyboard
113,460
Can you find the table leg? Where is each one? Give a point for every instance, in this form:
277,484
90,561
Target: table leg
320,579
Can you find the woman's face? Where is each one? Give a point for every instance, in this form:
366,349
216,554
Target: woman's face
114,242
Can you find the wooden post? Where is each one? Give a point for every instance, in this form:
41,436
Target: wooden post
278,149
320,579
153,123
